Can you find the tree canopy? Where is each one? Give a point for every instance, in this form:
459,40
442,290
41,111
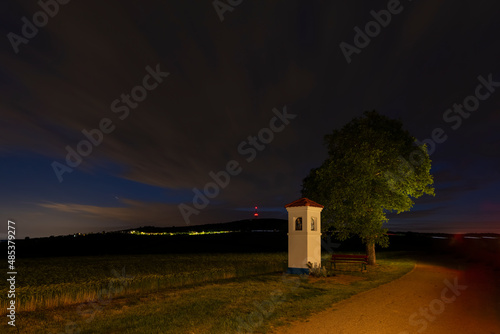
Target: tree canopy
374,166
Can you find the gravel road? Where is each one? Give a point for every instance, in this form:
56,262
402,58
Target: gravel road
436,297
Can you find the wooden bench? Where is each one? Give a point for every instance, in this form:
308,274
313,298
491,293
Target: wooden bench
346,258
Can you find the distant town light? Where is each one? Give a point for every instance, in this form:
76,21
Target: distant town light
178,233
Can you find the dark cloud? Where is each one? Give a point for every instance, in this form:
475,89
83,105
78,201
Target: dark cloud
224,80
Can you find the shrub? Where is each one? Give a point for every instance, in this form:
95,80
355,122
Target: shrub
316,270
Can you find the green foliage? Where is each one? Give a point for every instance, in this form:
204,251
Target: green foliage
373,167
316,270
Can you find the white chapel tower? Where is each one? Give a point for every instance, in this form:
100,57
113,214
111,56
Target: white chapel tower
304,235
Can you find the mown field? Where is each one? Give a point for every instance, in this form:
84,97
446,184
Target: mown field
197,293
52,282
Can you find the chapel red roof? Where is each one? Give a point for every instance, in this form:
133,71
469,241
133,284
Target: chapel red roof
303,202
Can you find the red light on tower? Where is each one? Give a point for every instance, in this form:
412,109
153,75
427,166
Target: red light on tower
256,214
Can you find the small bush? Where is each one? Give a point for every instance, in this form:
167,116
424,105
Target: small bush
316,270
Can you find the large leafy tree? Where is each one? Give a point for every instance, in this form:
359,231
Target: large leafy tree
373,167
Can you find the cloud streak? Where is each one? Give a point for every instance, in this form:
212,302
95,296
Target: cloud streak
224,81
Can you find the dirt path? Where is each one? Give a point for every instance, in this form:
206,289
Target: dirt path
430,299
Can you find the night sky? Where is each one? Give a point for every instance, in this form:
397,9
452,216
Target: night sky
173,92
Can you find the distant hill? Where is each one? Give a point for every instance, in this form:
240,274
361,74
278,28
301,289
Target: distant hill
243,236
253,235
247,225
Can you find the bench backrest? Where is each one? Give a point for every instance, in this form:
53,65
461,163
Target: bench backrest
349,256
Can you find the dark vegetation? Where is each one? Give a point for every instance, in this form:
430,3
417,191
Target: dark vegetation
247,236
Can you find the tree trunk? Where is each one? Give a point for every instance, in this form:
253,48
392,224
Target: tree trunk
370,251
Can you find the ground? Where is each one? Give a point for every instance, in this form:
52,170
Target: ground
437,296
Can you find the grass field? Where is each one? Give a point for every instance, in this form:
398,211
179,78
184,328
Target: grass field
51,282
226,293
